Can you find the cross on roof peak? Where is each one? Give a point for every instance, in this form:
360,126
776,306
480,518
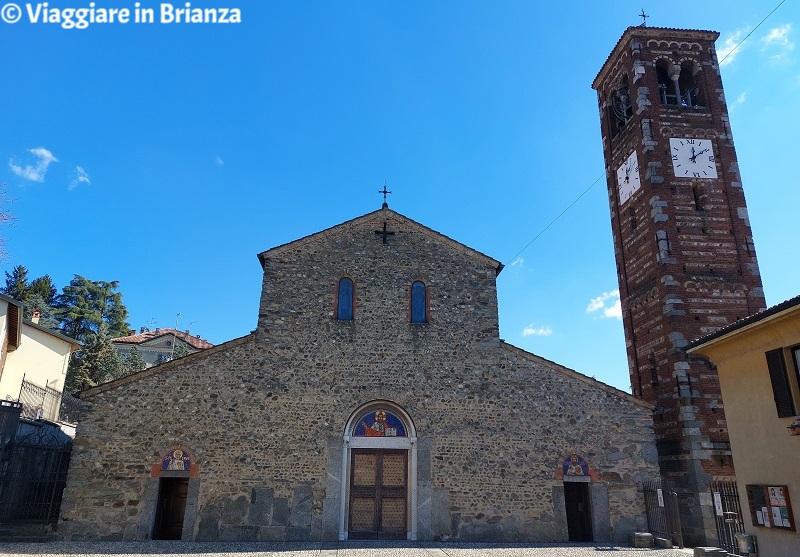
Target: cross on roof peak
384,191
644,17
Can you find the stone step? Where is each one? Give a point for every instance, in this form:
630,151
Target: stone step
709,552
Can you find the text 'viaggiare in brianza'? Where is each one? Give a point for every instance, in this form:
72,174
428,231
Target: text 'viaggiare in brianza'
81,17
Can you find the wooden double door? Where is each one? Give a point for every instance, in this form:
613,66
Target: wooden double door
378,494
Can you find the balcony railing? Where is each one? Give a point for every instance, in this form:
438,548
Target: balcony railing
47,403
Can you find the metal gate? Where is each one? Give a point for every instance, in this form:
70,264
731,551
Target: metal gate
728,515
33,472
663,518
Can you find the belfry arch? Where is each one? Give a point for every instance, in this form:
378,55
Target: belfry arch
379,474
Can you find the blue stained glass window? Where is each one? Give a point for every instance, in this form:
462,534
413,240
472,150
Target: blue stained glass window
419,302
344,307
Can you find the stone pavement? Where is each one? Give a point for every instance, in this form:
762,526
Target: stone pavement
329,549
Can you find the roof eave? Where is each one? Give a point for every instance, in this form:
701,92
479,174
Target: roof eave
756,320
649,32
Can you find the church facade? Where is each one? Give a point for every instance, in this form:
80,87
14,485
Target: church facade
375,399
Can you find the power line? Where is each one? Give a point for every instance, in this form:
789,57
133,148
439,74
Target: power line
555,219
751,32
598,179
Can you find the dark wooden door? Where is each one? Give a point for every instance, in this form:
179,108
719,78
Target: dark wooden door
579,512
378,490
171,508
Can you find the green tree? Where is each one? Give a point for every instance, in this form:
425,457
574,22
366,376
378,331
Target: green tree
47,313
17,283
45,289
86,304
134,361
39,295
180,351
97,362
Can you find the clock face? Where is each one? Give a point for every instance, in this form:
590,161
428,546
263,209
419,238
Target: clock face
628,178
692,158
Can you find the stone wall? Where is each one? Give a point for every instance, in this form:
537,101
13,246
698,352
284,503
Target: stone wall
264,416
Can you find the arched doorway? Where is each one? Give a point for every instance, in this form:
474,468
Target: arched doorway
379,474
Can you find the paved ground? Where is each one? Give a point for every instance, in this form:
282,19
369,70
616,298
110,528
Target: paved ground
341,549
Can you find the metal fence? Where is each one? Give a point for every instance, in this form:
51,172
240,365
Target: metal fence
728,515
663,518
39,402
48,403
33,473
71,409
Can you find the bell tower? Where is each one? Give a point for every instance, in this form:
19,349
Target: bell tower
686,261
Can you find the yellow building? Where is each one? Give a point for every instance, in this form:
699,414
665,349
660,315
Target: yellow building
33,362
758,362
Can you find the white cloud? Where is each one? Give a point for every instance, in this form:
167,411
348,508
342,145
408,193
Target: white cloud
614,310
778,38
218,161
540,332
608,302
80,177
517,261
738,102
36,172
728,51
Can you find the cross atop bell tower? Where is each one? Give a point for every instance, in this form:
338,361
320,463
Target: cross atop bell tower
686,261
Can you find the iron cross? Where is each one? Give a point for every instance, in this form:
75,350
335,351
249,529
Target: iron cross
644,17
384,191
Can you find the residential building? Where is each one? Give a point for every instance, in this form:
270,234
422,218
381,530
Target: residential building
33,362
159,346
757,360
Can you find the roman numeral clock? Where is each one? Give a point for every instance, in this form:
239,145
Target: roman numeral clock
692,158
685,257
628,179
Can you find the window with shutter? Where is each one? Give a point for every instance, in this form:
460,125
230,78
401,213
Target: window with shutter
781,388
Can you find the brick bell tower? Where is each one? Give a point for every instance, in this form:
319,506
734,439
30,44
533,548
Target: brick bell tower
684,250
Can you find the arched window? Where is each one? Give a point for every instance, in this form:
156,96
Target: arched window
677,85
666,87
621,106
690,90
419,302
344,300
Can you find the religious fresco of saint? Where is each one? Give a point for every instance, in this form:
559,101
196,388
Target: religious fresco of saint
379,423
176,460
575,465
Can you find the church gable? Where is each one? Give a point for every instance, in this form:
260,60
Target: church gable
385,222
401,283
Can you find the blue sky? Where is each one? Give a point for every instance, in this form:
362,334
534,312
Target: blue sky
166,156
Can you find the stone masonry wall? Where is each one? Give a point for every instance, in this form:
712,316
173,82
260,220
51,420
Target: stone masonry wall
264,416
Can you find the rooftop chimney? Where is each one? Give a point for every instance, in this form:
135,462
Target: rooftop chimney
35,316
131,332
141,330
